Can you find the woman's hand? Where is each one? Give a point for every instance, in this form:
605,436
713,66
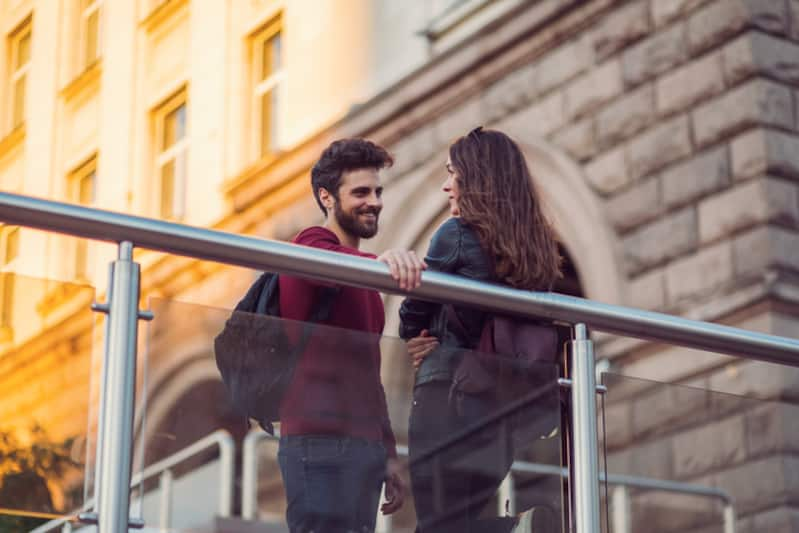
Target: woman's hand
420,347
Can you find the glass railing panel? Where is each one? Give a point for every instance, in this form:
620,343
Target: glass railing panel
688,459
47,333
184,399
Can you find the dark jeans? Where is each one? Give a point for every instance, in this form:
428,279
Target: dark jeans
452,483
332,483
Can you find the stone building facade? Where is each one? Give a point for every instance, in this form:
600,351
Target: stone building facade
665,138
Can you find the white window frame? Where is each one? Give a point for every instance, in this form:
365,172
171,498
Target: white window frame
18,71
6,279
262,85
87,9
86,169
172,153
5,234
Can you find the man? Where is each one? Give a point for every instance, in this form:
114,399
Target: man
337,447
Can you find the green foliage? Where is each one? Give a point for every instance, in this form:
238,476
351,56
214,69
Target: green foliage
24,471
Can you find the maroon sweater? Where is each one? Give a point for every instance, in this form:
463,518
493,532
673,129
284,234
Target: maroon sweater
336,389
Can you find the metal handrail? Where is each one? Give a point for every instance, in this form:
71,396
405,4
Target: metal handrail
303,261
249,486
227,453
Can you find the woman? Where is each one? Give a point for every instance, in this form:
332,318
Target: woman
497,233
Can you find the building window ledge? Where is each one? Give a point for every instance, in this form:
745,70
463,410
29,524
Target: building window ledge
255,171
6,335
60,294
163,11
13,140
88,80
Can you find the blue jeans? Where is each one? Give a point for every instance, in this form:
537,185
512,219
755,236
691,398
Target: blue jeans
332,483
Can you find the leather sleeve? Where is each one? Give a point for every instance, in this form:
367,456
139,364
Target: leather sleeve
442,256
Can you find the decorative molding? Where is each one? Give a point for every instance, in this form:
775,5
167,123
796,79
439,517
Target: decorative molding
163,12
13,140
6,336
231,186
62,293
85,82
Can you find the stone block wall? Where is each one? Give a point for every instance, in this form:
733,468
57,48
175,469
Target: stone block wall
684,118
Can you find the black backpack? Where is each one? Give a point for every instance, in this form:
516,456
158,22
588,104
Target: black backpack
256,354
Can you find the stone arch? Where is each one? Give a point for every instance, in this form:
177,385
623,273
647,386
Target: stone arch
185,401
579,218
573,207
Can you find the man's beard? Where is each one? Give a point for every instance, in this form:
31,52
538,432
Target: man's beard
350,223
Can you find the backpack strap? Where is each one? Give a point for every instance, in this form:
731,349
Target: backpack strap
324,299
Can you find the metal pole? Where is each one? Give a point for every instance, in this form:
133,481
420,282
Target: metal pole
98,453
729,517
227,467
620,507
506,498
117,402
249,473
585,485
165,511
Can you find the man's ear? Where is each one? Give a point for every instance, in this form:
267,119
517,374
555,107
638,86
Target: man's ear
326,198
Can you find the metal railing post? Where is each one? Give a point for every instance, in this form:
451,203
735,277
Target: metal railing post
165,510
585,484
729,517
117,400
249,475
621,510
506,497
227,468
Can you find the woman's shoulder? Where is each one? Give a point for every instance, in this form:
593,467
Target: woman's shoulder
450,233
454,226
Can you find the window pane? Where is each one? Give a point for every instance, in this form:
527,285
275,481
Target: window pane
81,258
86,187
23,49
267,114
18,113
12,246
92,26
179,184
168,189
270,56
7,285
174,126
277,45
180,116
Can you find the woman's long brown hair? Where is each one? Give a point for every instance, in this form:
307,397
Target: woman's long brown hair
498,199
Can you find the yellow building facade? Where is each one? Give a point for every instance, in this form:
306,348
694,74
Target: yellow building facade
159,108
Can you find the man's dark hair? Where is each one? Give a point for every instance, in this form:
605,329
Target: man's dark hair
345,155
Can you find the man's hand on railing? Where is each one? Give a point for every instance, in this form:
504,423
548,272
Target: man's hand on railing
395,488
405,267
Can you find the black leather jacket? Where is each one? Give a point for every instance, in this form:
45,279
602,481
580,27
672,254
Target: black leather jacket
454,249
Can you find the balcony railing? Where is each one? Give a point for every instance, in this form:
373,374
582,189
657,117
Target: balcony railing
116,418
